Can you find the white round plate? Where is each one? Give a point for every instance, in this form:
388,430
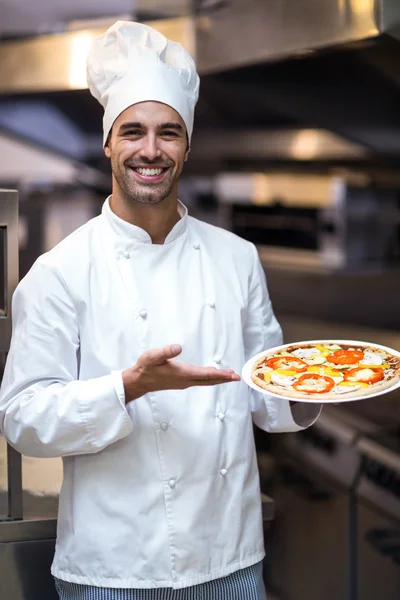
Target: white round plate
313,399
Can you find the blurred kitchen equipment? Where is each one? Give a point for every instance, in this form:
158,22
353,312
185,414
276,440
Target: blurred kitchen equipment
378,516
314,550
264,63
8,281
26,547
320,221
8,261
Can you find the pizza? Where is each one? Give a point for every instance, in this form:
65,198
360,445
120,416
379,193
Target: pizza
326,370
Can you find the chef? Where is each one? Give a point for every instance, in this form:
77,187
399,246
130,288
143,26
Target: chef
128,338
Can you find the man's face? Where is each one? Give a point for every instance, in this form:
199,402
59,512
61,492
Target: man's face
148,148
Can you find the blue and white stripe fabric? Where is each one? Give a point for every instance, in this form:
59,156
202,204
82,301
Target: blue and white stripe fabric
245,584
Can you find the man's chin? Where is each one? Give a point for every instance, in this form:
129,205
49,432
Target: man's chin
144,193
149,197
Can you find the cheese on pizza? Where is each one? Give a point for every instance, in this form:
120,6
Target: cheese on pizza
327,370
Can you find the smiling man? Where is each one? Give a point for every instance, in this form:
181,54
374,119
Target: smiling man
128,338
137,172
148,146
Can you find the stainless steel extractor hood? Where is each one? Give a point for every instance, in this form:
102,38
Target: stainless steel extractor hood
265,65
331,64
236,33
223,35
55,63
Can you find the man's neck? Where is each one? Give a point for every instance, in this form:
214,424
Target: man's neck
156,219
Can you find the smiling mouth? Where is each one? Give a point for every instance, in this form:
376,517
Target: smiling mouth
149,174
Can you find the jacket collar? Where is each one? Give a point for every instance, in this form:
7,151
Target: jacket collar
129,234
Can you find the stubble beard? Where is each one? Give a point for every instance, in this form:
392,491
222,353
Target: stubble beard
144,193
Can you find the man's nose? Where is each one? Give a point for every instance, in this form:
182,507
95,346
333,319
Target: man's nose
150,150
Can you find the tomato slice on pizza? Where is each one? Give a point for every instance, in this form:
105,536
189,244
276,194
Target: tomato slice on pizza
327,370
314,384
365,374
287,362
345,357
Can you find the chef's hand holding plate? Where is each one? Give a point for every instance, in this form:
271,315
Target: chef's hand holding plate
156,370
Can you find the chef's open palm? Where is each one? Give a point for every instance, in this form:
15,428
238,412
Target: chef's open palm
157,370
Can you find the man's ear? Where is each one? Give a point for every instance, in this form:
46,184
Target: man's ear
107,149
187,153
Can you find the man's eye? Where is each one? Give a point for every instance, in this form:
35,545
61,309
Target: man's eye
169,133
133,132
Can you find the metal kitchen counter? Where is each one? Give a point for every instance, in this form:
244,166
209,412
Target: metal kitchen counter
23,531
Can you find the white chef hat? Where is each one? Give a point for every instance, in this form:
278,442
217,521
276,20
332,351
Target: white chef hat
134,63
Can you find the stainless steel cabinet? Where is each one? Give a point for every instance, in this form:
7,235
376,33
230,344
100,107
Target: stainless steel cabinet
379,555
26,546
11,478
8,261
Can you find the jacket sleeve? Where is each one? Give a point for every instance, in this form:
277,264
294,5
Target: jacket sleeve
262,331
45,411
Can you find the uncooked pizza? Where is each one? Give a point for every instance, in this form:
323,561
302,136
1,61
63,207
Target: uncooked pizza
327,370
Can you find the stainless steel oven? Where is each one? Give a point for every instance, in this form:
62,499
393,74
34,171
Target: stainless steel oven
378,517
26,544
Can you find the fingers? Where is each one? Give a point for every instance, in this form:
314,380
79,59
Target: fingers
210,382
160,356
212,376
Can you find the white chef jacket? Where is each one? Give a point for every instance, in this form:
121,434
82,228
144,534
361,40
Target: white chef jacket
163,491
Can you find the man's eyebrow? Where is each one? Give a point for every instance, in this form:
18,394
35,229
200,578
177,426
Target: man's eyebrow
130,125
137,125
176,126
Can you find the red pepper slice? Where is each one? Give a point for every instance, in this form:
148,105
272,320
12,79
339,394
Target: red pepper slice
378,375
308,383
287,362
345,357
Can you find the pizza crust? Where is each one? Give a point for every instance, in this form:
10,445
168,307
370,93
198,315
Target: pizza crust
288,392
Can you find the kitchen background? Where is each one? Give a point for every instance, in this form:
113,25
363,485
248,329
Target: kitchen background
297,148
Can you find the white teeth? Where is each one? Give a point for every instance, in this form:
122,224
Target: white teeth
149,172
